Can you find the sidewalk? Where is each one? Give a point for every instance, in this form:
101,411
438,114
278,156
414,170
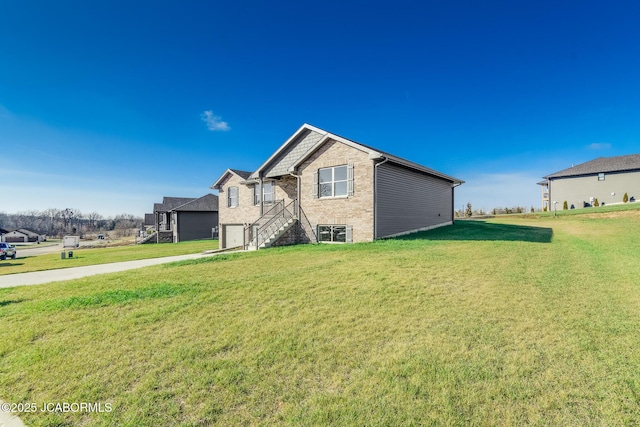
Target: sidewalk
40,277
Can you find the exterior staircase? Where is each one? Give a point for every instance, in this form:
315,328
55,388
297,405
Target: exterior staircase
271,226
151,238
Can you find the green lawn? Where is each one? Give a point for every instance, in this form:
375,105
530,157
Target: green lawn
516,321
91,256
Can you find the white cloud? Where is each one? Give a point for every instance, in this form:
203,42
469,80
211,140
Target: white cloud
214,122
599,146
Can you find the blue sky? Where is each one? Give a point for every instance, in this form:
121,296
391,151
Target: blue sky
109,106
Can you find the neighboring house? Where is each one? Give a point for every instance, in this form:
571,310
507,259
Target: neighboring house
605,178
149,220
3,231
179,219
321,187
162,214
195,220
22,235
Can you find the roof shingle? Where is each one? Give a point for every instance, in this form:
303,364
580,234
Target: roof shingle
599,165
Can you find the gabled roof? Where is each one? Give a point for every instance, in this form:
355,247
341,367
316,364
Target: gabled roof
27,232
149,219
322,136
242,174
168,203
206,203
600,165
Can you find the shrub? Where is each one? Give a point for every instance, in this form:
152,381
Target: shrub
565,206
625,198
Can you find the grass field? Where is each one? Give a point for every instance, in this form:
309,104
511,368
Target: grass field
532,321
91,256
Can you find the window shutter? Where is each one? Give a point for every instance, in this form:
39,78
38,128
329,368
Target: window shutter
253,194
273,191
229,198
315,183
350,179
349,236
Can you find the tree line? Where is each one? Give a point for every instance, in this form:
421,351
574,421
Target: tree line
60,222
468,211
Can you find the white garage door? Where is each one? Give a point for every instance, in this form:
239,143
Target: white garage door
234,236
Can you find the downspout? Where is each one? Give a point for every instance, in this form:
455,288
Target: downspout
375,196
297,207
453,203
260,196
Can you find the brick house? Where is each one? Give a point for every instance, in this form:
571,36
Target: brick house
321,187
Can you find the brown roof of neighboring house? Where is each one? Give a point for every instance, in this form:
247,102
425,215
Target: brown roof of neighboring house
600,165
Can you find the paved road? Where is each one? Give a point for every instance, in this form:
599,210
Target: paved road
40,277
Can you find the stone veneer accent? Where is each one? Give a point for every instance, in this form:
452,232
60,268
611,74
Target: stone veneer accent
356,210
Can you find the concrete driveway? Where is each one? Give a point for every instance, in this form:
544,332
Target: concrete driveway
40,277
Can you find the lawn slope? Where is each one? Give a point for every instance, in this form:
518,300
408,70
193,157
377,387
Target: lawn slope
512,321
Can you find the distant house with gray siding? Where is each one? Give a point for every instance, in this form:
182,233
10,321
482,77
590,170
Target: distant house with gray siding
321,187
605,178
179,219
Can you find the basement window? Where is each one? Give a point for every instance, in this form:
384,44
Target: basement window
334,234
601,176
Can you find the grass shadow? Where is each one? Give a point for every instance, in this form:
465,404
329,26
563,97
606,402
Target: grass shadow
7,302
10,264
481,230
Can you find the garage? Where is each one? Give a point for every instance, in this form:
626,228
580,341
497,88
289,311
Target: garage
233,236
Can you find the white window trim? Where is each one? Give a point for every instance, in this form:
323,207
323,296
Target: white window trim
258,196
237,197
333,183
348,234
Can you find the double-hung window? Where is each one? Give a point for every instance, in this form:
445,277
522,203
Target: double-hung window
333,182
232,197
268,193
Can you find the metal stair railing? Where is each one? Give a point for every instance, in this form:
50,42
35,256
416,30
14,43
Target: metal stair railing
249,235
278,220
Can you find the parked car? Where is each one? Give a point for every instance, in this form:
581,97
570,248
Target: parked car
7,251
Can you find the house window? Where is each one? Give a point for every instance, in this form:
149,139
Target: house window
601,176
335,233
232,197
333,181
268,193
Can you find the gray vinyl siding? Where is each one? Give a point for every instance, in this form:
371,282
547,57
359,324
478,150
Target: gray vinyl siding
578,189
196,225
280,166
407,200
